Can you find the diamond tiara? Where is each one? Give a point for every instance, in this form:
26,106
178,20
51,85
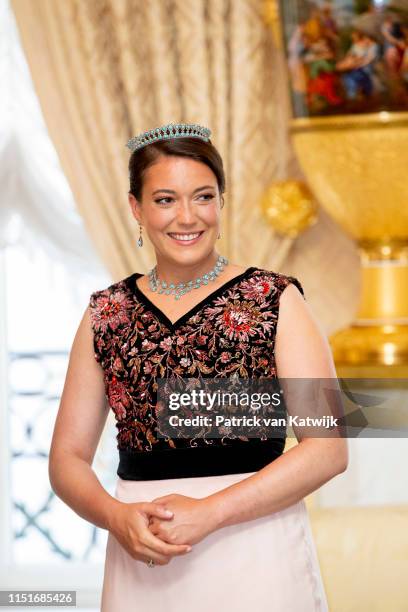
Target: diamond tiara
165,132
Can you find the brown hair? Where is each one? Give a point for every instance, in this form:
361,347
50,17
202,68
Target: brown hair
194,148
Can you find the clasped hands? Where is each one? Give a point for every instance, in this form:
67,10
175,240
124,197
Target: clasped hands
192,519
148,533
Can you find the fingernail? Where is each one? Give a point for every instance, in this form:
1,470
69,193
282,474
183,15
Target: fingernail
168,512
189,548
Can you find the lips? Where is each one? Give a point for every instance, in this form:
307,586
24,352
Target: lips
184,241
184,235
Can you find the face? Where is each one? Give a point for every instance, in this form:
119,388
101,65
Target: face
180,198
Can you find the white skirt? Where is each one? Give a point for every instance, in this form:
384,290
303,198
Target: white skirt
267,564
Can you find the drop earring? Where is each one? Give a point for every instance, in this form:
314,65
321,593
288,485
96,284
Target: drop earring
222,206
140,241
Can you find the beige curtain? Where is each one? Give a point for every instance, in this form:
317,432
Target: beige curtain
105,70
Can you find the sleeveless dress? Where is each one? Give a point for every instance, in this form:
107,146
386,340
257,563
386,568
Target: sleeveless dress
267,564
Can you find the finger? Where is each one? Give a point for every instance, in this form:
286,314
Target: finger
156,510
155,530
168,539
149,553
161,547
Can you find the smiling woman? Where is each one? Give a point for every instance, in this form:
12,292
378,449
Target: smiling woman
190,507
176,189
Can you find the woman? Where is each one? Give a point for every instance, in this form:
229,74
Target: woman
195,524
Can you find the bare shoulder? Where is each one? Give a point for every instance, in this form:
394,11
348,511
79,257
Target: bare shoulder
302,348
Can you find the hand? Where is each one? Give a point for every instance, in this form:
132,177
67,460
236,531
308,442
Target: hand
192,520
130,526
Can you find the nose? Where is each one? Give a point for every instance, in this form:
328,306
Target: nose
185,213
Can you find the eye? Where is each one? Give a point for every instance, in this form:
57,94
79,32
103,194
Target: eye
207,195
161,201
164,202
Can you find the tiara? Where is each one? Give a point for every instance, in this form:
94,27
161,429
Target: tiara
165,132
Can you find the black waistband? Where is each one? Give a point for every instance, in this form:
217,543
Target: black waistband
191,462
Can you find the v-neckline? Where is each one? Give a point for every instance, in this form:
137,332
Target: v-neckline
163,318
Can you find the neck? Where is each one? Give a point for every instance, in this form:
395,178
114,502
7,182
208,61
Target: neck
181,273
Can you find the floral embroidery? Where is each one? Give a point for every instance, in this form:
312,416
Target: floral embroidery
231,333
111,310
239,320
257,288
118,397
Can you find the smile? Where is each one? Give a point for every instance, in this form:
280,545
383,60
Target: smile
186,238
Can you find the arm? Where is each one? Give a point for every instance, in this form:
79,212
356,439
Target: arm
80,421
301,351
386,32
81,418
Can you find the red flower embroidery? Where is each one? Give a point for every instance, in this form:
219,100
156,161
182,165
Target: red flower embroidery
110,309
257,288
238,321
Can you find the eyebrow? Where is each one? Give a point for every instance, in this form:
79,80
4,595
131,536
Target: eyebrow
173,192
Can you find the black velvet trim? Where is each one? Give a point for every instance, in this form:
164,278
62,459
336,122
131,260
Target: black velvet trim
192,462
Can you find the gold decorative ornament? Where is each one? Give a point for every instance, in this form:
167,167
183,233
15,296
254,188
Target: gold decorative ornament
289,207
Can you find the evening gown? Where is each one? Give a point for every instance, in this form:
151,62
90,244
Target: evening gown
268,564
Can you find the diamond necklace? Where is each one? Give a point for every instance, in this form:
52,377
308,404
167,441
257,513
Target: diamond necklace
180,289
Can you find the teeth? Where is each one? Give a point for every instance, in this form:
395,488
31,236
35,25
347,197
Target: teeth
185,236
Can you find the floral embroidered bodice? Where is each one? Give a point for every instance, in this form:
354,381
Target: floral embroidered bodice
230,332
